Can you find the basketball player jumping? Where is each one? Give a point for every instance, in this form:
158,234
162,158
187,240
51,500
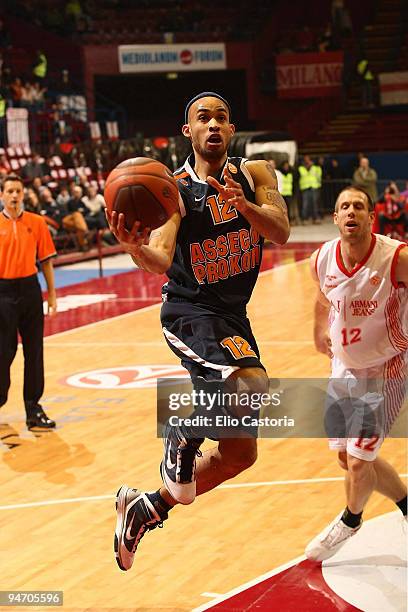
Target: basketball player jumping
211,251
361,323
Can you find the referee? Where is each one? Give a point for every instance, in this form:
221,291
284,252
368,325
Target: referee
24,238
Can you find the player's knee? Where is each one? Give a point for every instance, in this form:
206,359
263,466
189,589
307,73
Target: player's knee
342,459
249,380
357,468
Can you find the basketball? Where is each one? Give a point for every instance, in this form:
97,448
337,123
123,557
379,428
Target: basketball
144,190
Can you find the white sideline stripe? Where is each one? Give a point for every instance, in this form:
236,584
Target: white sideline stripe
72,500
212,595
258,579
54,502
152,306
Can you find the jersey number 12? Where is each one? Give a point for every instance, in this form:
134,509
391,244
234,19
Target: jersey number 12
221,211
350,336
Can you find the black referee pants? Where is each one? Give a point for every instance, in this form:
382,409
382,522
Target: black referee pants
21,311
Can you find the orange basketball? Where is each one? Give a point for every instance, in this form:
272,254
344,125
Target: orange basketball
144,190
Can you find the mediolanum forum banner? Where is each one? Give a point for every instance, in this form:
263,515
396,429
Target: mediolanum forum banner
172,58
309,75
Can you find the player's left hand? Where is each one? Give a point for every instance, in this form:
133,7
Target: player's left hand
133,240
231,192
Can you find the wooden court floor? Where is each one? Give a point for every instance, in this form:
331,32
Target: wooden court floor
57,489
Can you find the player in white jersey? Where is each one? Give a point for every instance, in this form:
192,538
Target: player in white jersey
361,323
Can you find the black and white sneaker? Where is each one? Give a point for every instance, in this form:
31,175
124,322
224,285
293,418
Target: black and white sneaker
179,463
135,515
37,419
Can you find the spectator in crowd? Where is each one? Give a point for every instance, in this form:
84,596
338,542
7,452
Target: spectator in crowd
354,163
82,179
4,165
341,19
94,209
32,201
37,184
63,197
50,210
74,221
16,92
38,95
27,95
333,183
367,81
366,178
47,165
95,217
288,192
40,67
309,185
393,214
334,171
59,127
33,169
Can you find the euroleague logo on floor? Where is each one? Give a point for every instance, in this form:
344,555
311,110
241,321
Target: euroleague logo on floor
126,377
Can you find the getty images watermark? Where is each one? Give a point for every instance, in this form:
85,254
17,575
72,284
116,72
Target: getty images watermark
295,408
217,408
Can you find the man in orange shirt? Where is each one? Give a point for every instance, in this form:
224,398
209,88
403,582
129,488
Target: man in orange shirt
24,238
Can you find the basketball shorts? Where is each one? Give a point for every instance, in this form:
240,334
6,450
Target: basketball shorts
363,404
211,344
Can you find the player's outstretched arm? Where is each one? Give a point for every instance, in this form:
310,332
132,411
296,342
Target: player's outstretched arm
321,314
151,251
269,215
401,270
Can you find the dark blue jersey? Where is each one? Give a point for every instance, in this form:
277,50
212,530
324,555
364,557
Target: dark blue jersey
218,254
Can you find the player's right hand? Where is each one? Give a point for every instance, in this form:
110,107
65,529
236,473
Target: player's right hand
323,344
131,241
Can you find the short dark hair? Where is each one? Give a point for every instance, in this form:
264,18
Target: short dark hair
206,94
361,190
11,177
